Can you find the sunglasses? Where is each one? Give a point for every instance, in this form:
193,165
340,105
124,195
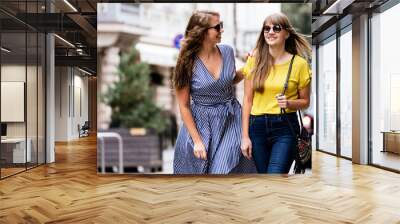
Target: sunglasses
218,27
276,28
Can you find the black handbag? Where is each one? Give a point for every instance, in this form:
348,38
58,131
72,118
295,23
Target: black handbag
303,149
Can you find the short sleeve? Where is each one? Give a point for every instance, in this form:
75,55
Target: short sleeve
232,53
248,67
229,53
304,74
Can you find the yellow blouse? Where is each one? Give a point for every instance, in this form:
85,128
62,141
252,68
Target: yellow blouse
266,103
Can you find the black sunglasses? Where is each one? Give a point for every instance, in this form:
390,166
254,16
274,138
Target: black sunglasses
218,27
276,28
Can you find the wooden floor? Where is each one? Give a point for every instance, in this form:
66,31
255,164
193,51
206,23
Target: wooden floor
10,171
387,159
70,191
5,172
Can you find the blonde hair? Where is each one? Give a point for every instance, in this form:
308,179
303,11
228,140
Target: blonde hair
195,34
294,44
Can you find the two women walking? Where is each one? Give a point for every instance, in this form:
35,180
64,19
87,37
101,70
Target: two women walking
216,136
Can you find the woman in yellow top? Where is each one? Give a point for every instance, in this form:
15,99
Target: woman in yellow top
266,133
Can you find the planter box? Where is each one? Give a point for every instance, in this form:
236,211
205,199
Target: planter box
142,153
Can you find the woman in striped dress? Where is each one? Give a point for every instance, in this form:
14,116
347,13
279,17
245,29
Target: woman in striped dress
209,140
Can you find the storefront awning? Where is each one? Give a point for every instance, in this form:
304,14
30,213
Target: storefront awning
164,56
157,54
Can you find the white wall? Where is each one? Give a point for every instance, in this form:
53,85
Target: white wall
80,94
61,103
71,87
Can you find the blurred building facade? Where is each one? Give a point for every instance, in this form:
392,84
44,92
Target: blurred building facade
119,26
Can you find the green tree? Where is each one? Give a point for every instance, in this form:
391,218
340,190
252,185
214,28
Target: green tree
131,97
299,15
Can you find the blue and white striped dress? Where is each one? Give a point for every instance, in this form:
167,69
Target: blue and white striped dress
217,115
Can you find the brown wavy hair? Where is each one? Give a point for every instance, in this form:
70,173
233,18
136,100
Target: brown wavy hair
195,33
295,44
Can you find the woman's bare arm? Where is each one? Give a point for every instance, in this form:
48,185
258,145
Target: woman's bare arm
303,101
183,96
246,145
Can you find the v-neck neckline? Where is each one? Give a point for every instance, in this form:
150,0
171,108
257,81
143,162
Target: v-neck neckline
221,67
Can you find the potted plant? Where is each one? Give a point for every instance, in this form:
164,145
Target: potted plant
135,116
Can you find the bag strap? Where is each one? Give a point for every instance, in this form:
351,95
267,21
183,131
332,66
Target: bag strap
285,87
288,75
301,120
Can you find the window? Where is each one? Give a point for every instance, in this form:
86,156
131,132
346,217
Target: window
22,75
346,93
385,89
326,116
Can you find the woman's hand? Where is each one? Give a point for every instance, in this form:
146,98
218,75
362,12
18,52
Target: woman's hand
282,101
239,76
183,96
199,150
246,147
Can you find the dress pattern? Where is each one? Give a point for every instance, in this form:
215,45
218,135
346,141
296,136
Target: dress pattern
217,115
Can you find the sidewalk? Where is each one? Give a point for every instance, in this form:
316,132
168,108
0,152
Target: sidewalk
168,159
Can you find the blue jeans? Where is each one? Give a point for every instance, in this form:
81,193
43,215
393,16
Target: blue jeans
273,141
